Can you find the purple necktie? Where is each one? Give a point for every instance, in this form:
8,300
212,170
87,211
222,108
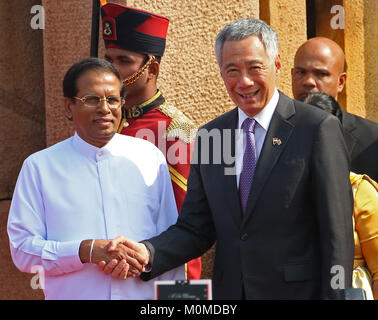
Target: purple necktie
249,162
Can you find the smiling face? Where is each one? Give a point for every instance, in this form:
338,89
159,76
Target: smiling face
95,125
249,74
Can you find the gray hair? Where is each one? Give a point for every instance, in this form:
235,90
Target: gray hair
244,28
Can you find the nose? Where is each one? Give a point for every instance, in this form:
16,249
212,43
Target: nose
103,106
309,81
246,81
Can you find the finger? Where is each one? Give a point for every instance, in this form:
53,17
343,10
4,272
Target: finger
110,266
135,264
124,272
134,258
133,272
101,265
119,268
113,243
131,244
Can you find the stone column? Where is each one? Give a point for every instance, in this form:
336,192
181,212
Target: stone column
361,47
21,91
288,19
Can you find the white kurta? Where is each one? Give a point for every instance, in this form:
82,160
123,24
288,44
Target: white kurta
74,191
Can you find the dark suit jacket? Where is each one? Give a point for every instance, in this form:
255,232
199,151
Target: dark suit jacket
298,221
361,137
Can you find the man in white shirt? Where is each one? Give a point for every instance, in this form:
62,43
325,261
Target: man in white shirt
95,185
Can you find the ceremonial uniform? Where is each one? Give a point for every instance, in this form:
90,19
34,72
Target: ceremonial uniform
154,120
171,131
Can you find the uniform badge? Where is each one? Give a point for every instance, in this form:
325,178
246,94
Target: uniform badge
134,112
277,142
109,29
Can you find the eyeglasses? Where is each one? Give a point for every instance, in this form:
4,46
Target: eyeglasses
93,101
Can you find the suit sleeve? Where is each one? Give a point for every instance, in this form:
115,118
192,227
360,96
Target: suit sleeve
191,236
334,207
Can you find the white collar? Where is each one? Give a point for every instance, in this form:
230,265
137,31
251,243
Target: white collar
89,150
264,117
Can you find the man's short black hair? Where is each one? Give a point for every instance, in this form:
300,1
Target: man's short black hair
76,70
325,102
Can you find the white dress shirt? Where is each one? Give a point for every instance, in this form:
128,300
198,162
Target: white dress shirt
74,191
263,119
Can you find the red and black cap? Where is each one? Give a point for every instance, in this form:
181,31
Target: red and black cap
133,29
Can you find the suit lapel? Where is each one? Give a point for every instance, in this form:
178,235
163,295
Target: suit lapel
229,185
279,128
349,126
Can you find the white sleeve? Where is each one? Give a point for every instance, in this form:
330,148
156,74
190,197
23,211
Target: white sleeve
27,230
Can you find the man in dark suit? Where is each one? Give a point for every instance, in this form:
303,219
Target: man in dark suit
294,231
319,66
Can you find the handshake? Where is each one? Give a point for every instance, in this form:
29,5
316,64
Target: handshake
120,257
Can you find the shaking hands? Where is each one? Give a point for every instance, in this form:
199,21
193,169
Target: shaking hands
120,257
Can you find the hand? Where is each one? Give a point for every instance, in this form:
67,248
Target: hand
99,252
137,257
115,258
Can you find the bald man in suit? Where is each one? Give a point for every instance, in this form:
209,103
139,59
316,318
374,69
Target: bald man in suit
319,66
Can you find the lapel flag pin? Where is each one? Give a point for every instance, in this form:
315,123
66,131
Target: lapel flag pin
276,141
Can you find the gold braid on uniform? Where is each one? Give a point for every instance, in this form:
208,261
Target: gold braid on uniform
181,126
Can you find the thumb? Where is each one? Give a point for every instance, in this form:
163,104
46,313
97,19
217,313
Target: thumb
113,243
131,244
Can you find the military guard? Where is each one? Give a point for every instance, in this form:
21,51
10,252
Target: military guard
135,42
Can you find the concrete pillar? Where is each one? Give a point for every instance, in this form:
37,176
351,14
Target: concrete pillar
21,91
361,47
288,19
329,25
22,129
66,40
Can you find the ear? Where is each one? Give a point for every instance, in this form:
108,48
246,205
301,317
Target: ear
342,80
277,63
153,70
68,104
